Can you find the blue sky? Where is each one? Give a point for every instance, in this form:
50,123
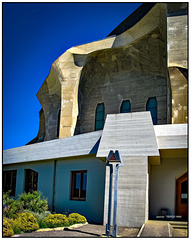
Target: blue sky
34,36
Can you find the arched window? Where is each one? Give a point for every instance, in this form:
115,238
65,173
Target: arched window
125,106
58,123
100,116
152,107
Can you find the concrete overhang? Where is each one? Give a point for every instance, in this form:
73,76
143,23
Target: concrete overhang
171,136
171,139
78,145
132,134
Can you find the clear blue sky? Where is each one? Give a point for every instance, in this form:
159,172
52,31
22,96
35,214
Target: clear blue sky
34,36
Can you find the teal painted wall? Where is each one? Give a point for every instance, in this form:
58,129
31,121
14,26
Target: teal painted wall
45,171
93,207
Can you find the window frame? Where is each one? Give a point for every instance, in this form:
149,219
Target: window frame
102,120
13,189
72,186
27,188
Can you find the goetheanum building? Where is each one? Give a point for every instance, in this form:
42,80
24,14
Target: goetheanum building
127,92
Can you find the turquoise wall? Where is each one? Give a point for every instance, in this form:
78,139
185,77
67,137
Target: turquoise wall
45,171
92,208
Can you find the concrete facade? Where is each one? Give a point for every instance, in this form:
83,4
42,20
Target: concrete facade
132,199
144,57
177,41
134,63
110,70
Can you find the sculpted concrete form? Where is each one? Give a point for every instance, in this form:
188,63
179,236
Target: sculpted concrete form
113,54
131,65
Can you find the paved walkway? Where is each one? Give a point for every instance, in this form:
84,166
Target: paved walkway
151,229
155,229
85,231
163,229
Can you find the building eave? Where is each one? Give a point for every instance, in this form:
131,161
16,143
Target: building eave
79,145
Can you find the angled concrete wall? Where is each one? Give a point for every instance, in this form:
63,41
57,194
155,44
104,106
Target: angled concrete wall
132,134
132,205
177,40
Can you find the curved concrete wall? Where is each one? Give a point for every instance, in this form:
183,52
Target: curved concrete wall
134,72
60,89
131,65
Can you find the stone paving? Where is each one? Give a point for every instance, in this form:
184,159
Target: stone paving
162,229
151,229
85,231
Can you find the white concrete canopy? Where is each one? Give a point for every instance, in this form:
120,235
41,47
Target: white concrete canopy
171,136
78,145
130,133
133,134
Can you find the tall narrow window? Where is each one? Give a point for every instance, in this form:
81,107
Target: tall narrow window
125,106
184,192
152,107
58,123
9,181
78,185
31,180
100,116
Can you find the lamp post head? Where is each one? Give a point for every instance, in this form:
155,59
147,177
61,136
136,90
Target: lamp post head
114,157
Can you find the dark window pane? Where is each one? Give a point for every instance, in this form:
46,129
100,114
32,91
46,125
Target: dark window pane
78,180
76,188
58,123
9,181
152,107
125,106
100,107
100,116
31,180
184,192
84,181
78,185
99,125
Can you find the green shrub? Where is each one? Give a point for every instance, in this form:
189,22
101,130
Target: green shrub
43,224
15,225
74,218
27,222
27,201
39,216
33,202
57,220
13,206
7,229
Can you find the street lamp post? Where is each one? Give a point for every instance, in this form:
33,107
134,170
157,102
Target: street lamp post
113,158
110,200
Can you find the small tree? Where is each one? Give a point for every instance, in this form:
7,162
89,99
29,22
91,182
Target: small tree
33,202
